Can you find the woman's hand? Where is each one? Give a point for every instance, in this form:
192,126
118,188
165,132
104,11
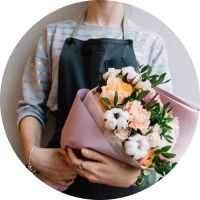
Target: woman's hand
102,169
49,163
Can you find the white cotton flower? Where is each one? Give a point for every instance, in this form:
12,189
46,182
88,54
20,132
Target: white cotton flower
132,75
122,123
112,72
111,124
137,146
116,118
145,85
125,115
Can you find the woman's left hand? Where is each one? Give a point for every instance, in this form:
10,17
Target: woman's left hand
101,169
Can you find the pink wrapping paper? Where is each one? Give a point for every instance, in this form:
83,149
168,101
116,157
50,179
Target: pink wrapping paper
84,126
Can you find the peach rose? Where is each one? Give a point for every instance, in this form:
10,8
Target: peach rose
116,85
147,160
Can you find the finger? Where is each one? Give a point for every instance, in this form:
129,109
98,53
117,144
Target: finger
75,163
93,155
73,158
66,183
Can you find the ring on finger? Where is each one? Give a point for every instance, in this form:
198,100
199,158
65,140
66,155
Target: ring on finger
81,165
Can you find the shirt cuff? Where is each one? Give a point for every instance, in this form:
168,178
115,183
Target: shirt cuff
29,113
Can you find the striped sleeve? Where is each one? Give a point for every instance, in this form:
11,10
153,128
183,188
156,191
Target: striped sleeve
159,62
36,83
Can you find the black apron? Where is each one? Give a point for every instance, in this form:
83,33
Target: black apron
81,65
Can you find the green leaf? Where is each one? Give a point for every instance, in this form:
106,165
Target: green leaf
166,81
169,137
119,106
160,80
142,185
141,176
158,170
149,71
146,172
160,178
157,108
142,94
115,98
168,140
106,100
165,106
133,94
150,166
168,155
167,127
144,68
156,159
165,149
167,169
169,110
157,151
150,179
168,119
174,164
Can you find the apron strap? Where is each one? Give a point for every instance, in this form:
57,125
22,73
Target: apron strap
125,24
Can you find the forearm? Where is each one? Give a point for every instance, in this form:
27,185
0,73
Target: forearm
31,132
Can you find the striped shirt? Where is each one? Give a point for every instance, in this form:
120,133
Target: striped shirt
40,78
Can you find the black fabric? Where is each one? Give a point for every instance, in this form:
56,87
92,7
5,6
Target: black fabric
81,65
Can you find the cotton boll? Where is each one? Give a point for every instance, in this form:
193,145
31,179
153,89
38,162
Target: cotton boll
136,138
122,123
136,79
145,85
144,144
130,147
126,70
115,73
125,115
111,124
105,76
116,110
140,154
108,115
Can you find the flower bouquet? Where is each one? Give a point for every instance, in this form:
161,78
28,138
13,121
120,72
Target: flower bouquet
130,119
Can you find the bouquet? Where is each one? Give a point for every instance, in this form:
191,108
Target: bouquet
130,119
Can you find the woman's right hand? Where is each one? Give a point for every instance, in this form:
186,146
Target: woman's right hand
49,163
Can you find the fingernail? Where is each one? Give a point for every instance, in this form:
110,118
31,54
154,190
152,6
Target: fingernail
84,151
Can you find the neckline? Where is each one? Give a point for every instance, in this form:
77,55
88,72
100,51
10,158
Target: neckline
99,26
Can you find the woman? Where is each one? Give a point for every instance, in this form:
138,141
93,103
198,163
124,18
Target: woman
71,55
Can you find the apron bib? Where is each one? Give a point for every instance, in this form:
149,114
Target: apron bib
81,65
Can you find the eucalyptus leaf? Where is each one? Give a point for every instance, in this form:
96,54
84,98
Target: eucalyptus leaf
141,176
146,172
150,179
142,185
